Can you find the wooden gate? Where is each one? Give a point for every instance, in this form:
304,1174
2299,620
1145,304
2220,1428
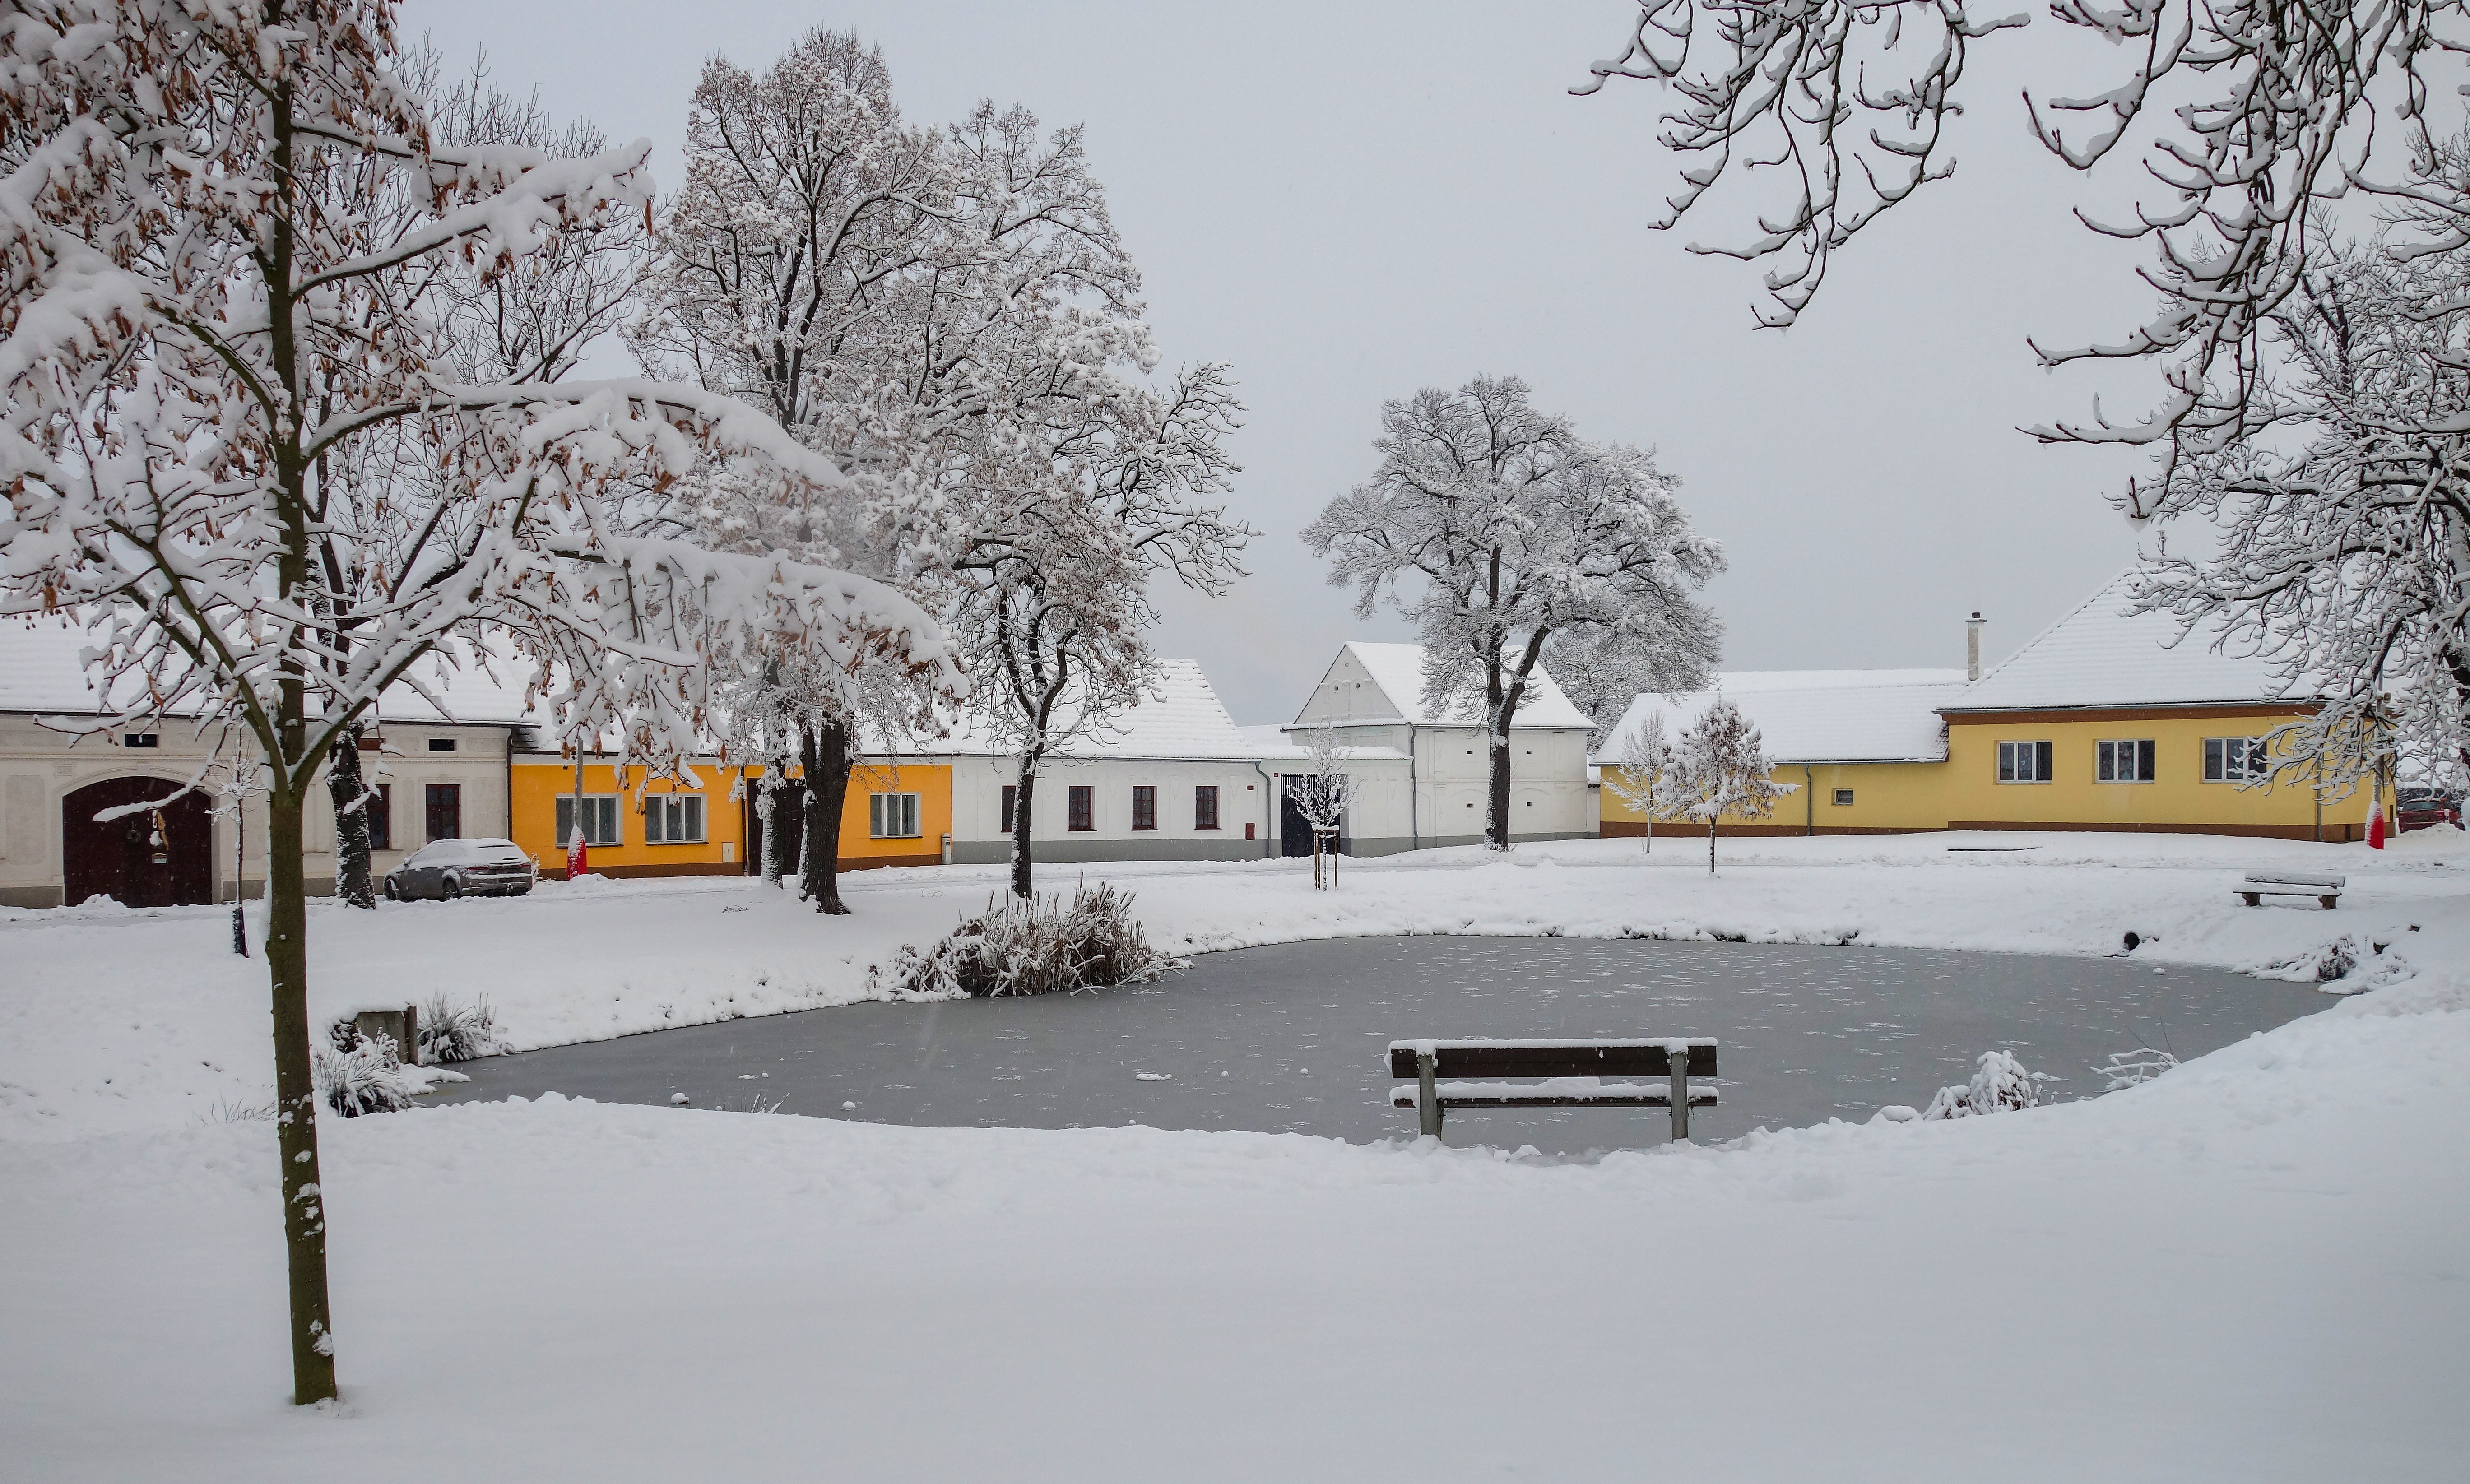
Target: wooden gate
156,858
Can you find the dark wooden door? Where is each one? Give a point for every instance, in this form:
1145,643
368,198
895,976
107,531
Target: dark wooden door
155,858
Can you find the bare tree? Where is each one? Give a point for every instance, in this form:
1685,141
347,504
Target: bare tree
1500,531
1323,795
216,296
1720,767
2247,120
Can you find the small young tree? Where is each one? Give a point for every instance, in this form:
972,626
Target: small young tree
1720,767
1323,795
1500,531
1642,777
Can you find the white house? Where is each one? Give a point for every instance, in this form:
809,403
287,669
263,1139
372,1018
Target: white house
1171,779
437,777
1372,697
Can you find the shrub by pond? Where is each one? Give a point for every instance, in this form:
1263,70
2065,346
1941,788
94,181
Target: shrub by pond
1038,947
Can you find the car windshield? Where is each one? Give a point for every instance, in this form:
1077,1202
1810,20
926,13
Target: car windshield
471,853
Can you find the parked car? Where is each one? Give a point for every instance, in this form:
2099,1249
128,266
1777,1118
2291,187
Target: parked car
2422,808
463,868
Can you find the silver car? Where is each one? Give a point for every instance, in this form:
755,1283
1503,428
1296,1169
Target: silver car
463,868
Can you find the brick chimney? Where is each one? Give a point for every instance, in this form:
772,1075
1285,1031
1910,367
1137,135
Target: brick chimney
1972,647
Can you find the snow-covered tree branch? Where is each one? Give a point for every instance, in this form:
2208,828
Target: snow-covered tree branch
1720,767
245,445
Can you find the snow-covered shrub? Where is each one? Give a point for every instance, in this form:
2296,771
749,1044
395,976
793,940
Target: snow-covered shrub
1038,947
449,1032
357,1074
1999,1084
2348,964
2130,1068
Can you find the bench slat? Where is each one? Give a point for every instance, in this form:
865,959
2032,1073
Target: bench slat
1638,1057
1555,1093
2297,878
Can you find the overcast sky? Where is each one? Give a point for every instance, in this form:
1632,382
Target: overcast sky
1350,206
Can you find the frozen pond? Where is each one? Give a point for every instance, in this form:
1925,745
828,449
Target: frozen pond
1289,1037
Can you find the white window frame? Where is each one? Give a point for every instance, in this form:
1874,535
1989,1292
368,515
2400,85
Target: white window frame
2131,756
892,816
2217,760
666,813
602,805
2017,759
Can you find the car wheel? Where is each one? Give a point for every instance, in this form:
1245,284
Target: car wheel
521,890
393,893
450,888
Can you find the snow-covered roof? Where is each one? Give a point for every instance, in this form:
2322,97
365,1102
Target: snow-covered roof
40,673
2100,654
1180,718
1397,673
1814,716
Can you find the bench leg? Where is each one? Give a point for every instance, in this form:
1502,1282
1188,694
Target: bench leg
2251,899
2328,901
1680,1097
1427,1096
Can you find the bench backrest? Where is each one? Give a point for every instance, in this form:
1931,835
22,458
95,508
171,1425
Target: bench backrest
2296,878
1634,1058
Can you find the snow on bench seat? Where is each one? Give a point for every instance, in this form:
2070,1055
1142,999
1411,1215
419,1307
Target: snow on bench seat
2326,890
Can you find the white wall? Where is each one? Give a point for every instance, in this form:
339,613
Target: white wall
39,768
1244,797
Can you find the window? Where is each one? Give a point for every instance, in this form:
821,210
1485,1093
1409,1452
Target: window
142,739
2122,762
892,815
379,810
1144,806
1011,794
673,818
1204,806
445,811
441,744
1843,797
599,820
2234,759
2023,762
1078,810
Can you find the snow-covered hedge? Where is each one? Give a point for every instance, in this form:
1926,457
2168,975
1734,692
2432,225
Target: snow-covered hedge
452,1031
1999,1084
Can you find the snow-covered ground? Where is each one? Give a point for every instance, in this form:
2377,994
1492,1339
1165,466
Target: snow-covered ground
2254,1267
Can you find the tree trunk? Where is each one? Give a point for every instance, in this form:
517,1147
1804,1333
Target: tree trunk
772,807
348,791
1021,886
1496,824
1711,844
295,1093
826,748
1316,857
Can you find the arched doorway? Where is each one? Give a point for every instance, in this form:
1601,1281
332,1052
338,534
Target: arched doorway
156,858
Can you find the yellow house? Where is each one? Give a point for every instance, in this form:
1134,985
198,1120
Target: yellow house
2106,721
897,812
634,826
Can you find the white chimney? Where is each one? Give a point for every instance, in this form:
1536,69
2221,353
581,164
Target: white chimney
1972,647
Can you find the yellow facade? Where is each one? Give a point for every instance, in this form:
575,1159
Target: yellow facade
1964,792
2177,799
860,848
537,783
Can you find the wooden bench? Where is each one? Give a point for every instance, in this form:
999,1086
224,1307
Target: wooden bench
2326,890
1564,1074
